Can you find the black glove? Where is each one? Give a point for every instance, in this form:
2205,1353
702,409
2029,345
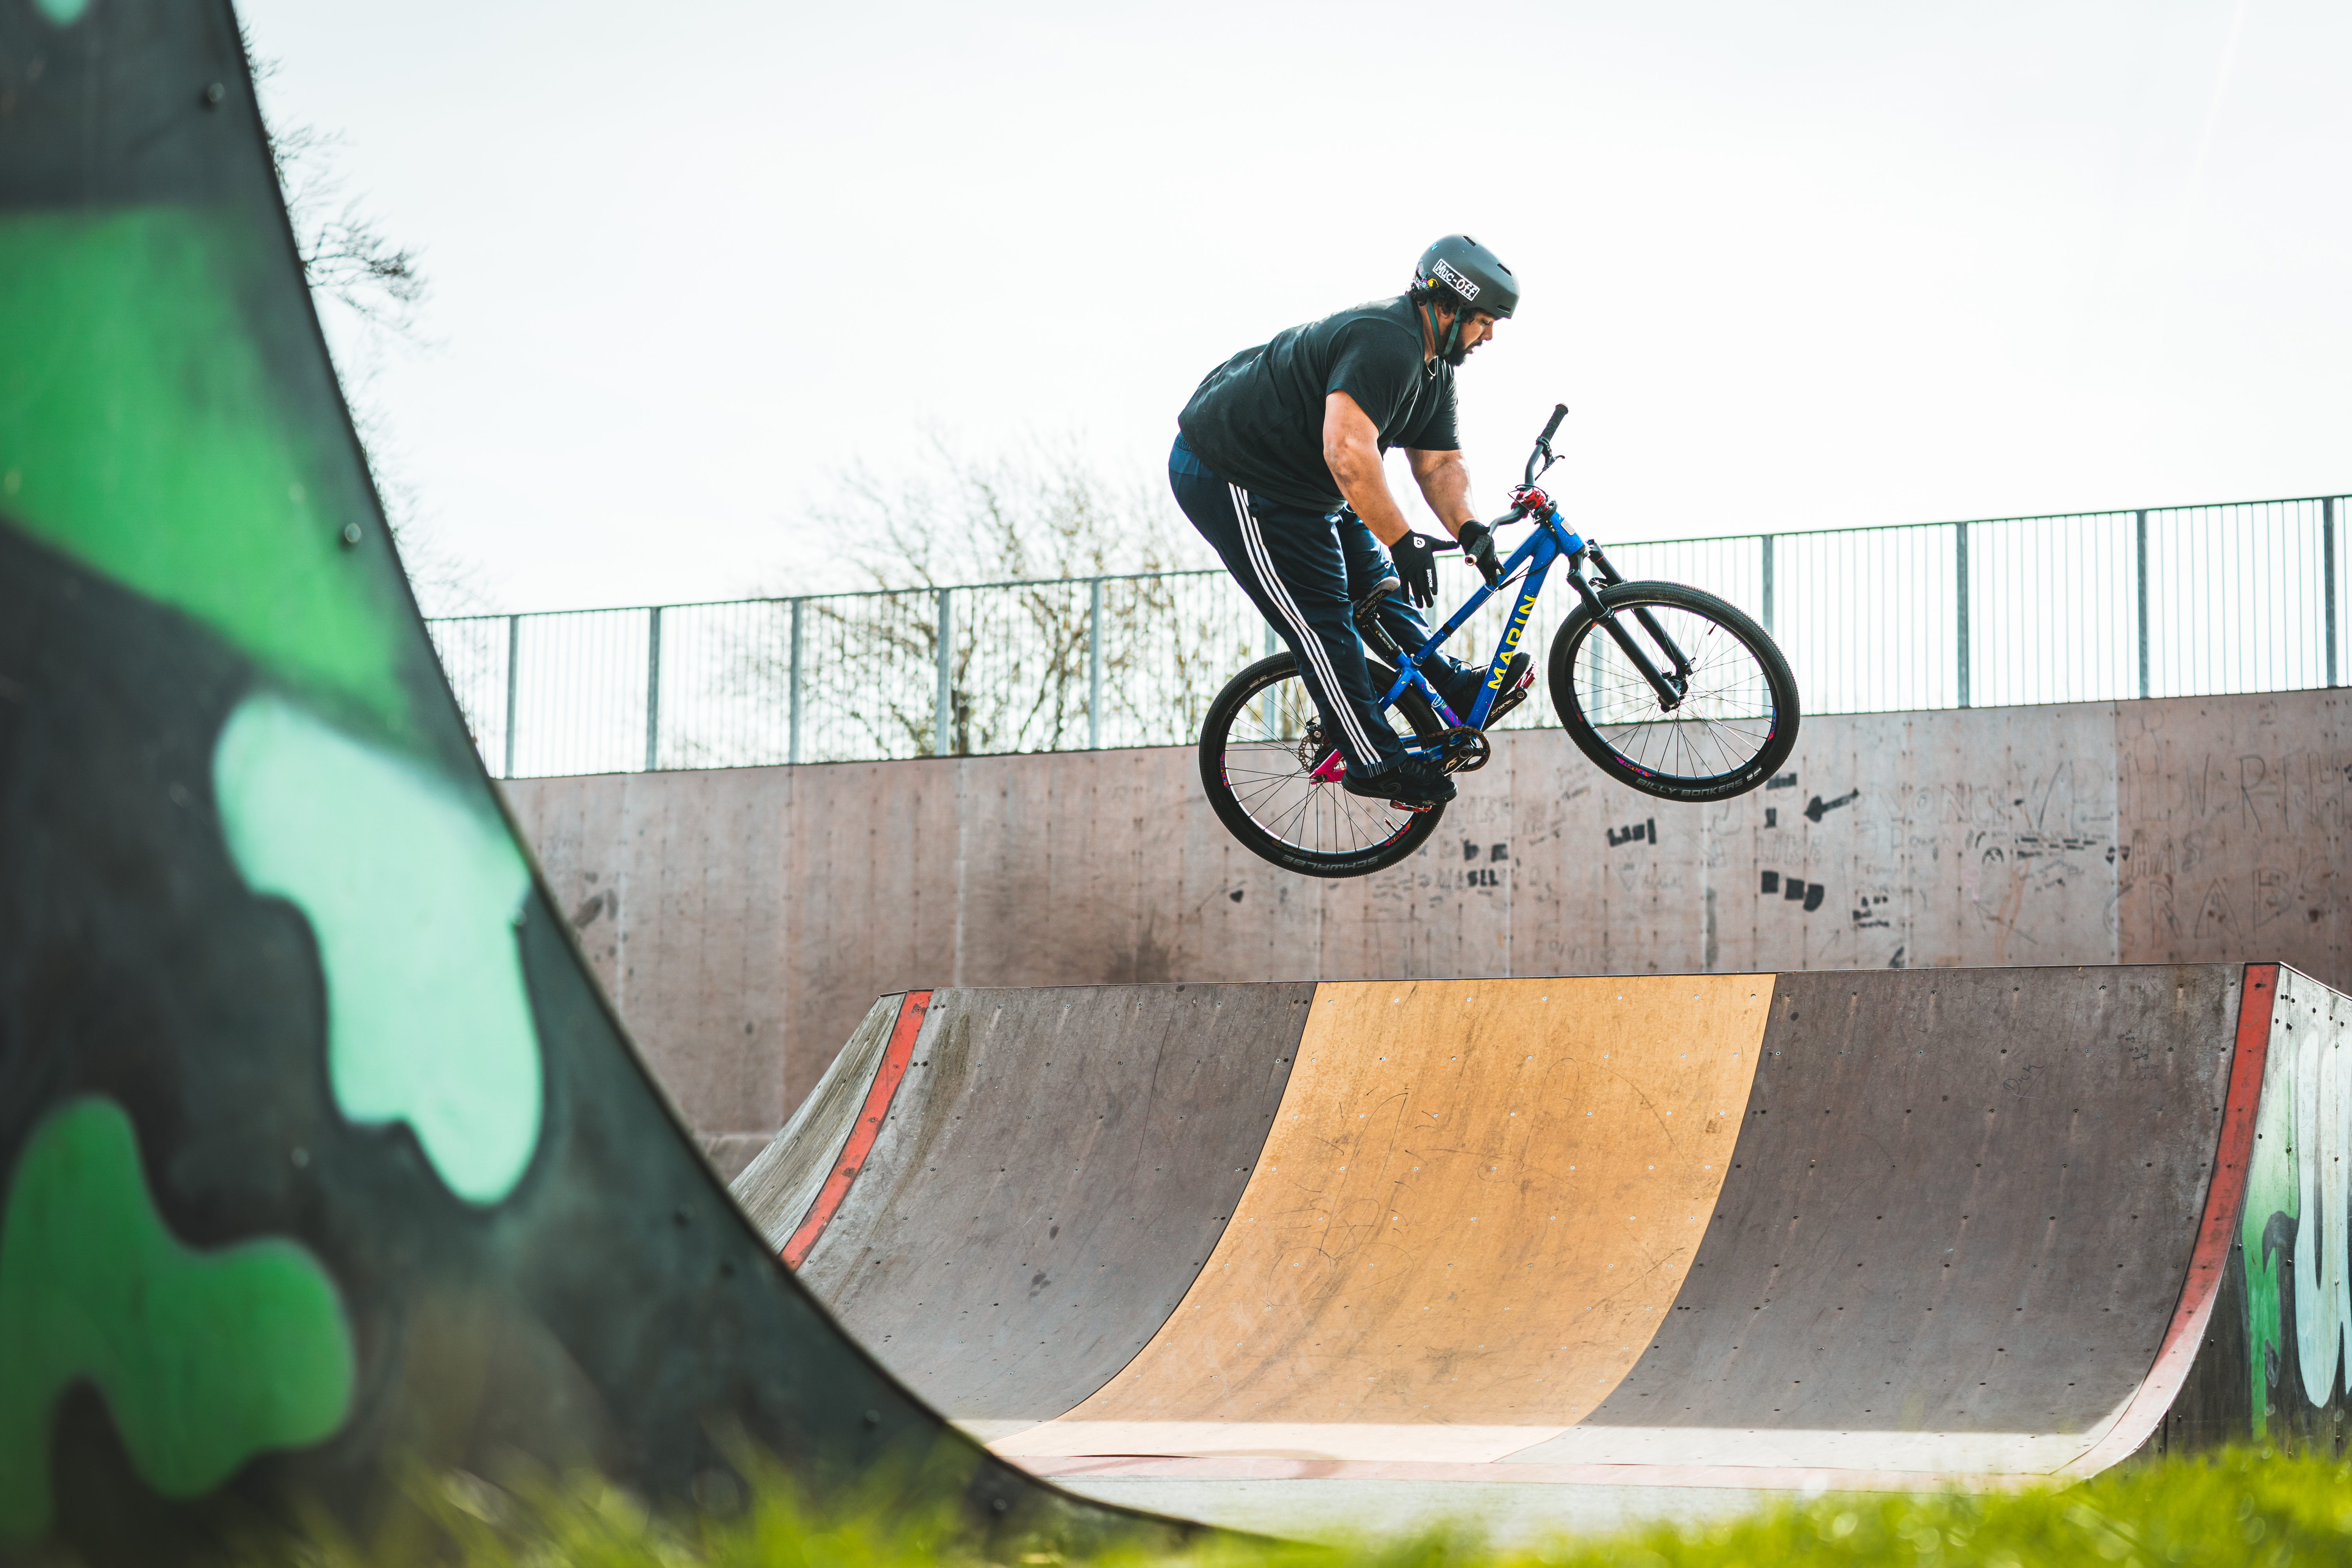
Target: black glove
1416,563
1479,544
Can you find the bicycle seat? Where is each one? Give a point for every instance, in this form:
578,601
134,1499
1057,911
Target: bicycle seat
1381,590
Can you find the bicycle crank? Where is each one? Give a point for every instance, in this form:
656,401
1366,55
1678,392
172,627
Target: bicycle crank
1465,750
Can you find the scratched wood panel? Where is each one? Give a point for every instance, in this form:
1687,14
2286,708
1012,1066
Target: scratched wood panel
1445,913
1900,841
2236,813
1121,885
1008,919
574,827
1477,1202
1240,918
1612,881
871,894
705,948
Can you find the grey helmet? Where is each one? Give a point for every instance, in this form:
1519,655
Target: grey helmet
1459,271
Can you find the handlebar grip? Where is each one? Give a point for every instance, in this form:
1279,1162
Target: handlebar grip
1557,413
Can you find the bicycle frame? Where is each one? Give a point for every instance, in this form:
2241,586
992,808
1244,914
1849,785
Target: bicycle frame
1535,555
1552,542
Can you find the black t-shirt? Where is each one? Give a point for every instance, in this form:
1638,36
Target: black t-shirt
1257,420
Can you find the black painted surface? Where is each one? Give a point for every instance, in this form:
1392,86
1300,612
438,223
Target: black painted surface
1963,1201
615,1309
1057,1166
2214,1405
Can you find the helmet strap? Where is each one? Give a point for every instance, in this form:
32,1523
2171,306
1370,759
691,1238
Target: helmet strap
1448,350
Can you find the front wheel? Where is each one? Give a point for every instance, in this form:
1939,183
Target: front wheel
1260,747
1735,723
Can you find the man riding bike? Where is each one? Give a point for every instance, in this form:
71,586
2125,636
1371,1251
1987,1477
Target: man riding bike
1278,465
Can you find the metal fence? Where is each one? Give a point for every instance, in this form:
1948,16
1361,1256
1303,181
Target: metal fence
2094,606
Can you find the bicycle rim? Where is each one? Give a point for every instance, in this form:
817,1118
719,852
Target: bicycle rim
1737,719
1259,749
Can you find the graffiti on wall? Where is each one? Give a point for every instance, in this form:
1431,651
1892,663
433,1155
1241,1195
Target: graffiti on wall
2297,1224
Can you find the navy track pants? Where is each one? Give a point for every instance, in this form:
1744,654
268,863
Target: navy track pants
1304,569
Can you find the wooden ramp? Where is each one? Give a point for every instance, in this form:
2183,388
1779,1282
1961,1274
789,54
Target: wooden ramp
1867,1230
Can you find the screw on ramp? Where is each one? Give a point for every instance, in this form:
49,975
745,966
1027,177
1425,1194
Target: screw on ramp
324,1155
1867,1230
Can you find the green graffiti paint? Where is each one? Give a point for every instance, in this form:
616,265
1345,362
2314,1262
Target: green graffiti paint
412,890
2273,1188
204,1359
2269,1190
141,433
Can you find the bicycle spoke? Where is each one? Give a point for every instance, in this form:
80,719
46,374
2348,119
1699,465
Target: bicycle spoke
1267,767
1723,720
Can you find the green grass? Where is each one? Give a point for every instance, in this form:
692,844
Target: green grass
2237,1508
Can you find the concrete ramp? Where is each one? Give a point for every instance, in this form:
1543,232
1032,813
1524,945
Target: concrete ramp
1877,1229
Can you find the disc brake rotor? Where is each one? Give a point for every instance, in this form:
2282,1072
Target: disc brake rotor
1312,749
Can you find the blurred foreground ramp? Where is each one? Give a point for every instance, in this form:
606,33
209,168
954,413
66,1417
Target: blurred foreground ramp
324,1156
1666,1237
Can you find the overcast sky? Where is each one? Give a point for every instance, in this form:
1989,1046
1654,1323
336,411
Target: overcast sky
1800,265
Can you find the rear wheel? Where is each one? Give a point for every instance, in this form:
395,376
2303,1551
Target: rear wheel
1260,747
1737,721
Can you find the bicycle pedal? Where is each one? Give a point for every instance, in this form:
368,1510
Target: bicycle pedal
1466,750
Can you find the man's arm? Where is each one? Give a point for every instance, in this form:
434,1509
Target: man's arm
1444,481
1351,446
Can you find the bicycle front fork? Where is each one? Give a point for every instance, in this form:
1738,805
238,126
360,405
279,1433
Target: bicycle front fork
1671,687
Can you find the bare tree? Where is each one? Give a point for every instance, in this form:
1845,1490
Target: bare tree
379,288
1015,535
1044,508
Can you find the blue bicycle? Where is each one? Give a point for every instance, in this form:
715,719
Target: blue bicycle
1668,690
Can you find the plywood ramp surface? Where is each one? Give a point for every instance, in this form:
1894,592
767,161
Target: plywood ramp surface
1056,1166
784,1178
1961,1213
1479,1200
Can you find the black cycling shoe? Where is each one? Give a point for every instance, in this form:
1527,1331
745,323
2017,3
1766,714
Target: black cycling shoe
1416,783
1519,679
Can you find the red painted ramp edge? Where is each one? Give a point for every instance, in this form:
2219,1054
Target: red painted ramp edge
2224,1196
868,1127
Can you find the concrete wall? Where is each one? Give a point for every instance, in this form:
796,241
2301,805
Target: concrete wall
744,919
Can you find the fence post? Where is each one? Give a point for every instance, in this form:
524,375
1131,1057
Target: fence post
793,752
1272,640
652,690
1961,530
943,707
2327,565
514,654
1093,666
2139,529
1768,585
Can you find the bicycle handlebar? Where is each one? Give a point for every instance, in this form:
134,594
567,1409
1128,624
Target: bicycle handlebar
1543,453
